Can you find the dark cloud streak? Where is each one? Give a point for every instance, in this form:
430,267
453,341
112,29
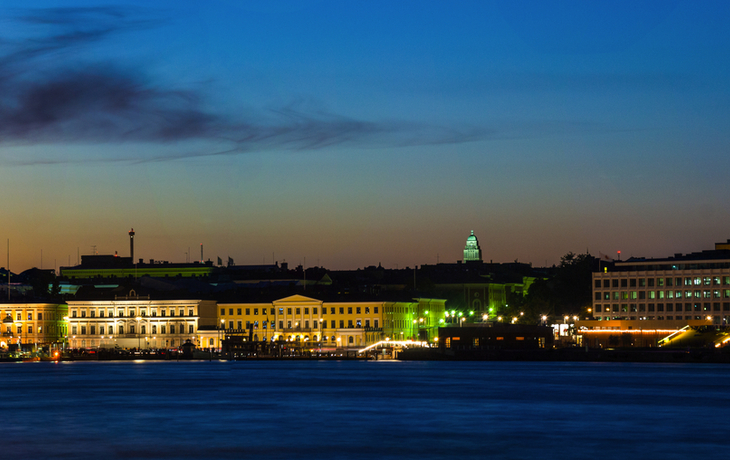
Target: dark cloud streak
46,99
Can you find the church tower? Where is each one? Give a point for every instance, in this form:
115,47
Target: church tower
472,251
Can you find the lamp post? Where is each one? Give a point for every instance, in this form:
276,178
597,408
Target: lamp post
219,335
139,339
320,336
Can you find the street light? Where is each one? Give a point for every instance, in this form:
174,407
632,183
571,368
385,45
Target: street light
219,334
139,344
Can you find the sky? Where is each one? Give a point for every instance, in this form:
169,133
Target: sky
357,133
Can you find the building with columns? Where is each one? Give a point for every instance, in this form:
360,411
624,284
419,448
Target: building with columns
134,321
472,251
336,324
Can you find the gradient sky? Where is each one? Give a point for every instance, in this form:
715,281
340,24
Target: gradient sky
353,133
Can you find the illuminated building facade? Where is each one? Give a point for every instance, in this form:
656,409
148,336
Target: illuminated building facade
33,326
472,251
136,322
663,295
334,324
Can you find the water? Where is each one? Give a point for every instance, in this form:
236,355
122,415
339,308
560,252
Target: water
357,410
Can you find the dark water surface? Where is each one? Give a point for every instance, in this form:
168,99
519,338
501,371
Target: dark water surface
354,410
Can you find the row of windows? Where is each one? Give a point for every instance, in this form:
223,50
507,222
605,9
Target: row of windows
29,329
298,311
305,324
726,319
641,295
120,329
29,317
632,307
651,282
120,313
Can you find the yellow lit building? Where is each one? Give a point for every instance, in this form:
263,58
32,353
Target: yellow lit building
136,322
334,324
33,325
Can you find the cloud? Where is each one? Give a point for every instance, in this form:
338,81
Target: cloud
49,95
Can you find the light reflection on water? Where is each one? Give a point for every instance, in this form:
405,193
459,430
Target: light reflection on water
348,409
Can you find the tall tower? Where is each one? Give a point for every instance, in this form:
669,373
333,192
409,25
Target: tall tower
472,251
131,244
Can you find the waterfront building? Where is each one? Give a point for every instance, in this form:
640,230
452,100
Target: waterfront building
135,321
633,297
33,326
335,324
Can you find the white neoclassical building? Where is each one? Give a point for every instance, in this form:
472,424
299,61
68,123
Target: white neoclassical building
135,322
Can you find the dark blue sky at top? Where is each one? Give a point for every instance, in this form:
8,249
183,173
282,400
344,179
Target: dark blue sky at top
361,132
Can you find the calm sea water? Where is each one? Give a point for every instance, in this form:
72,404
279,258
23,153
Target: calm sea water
355,410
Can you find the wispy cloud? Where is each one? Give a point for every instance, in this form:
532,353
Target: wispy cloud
48,94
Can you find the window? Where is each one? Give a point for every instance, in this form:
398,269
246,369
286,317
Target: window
172,313
121,330
306,311
101,313
333,324
375,322
306,324
597,296
314,311
367,310
367,323
190,313
163,329
349,324
190,329
650,282
632,282
288,324
358,323
255,311
342,310
299,311
272,311
230,325
281,324
597,284
288,311
230,311
238,311
375,310
239,325
624,283
342,323
332,310
172,328
154,329
669,282
74,330
73,315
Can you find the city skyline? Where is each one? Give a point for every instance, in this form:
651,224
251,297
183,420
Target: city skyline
362,133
